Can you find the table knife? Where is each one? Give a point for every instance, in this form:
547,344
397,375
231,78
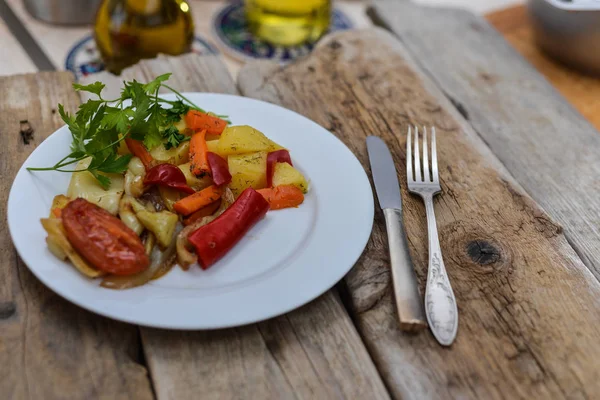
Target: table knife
408,300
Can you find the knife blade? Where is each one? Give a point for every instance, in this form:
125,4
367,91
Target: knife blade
384,174
408,300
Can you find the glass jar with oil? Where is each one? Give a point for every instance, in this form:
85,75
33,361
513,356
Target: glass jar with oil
127,31
288,22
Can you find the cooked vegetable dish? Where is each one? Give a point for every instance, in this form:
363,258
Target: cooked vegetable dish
157,182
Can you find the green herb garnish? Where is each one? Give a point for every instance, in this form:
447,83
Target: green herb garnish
174,138
100,125
173,114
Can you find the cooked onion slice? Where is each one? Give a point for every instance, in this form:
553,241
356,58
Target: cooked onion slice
161,262
60,246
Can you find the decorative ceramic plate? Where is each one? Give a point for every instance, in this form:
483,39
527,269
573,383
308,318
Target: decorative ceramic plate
286,260
231,29
84,58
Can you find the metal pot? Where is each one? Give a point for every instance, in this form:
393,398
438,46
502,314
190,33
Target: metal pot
67,12
568,30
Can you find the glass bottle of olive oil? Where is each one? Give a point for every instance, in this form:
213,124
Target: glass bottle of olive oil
288,22
129,30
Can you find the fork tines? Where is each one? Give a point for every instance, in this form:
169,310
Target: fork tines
414,175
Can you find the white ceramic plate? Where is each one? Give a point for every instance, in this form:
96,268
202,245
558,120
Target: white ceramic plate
289,258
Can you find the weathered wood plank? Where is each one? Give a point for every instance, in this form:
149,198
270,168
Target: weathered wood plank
529,308
313,352
550,149
50,348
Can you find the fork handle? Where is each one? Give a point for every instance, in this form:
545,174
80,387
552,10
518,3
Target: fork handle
406,289
440,303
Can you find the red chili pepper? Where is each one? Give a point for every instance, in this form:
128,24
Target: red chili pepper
212,241
218,169
167,175
273,158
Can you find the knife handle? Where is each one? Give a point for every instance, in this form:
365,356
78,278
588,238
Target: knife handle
406,289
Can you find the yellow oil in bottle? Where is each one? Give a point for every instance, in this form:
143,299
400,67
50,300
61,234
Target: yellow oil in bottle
129,30
288,22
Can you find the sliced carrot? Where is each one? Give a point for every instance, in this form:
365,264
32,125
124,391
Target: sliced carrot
196,201
138,149
57,212
198,154
203,212
198,121
283,196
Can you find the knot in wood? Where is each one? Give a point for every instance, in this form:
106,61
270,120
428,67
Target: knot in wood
483,252
334,45
7,309
473,253
26,131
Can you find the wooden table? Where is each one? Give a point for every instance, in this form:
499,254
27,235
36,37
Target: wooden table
518,219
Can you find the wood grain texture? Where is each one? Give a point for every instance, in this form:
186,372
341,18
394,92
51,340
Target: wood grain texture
551,150
529,308
50,348
313,352
582,91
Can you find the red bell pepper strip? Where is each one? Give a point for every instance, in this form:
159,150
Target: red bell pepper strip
219,169
282,156
199,121
212,241
167,175
138,149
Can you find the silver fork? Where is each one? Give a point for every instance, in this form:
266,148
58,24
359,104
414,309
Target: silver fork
440,304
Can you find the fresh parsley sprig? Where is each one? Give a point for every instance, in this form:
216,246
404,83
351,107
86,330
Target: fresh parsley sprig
174,138
99,125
